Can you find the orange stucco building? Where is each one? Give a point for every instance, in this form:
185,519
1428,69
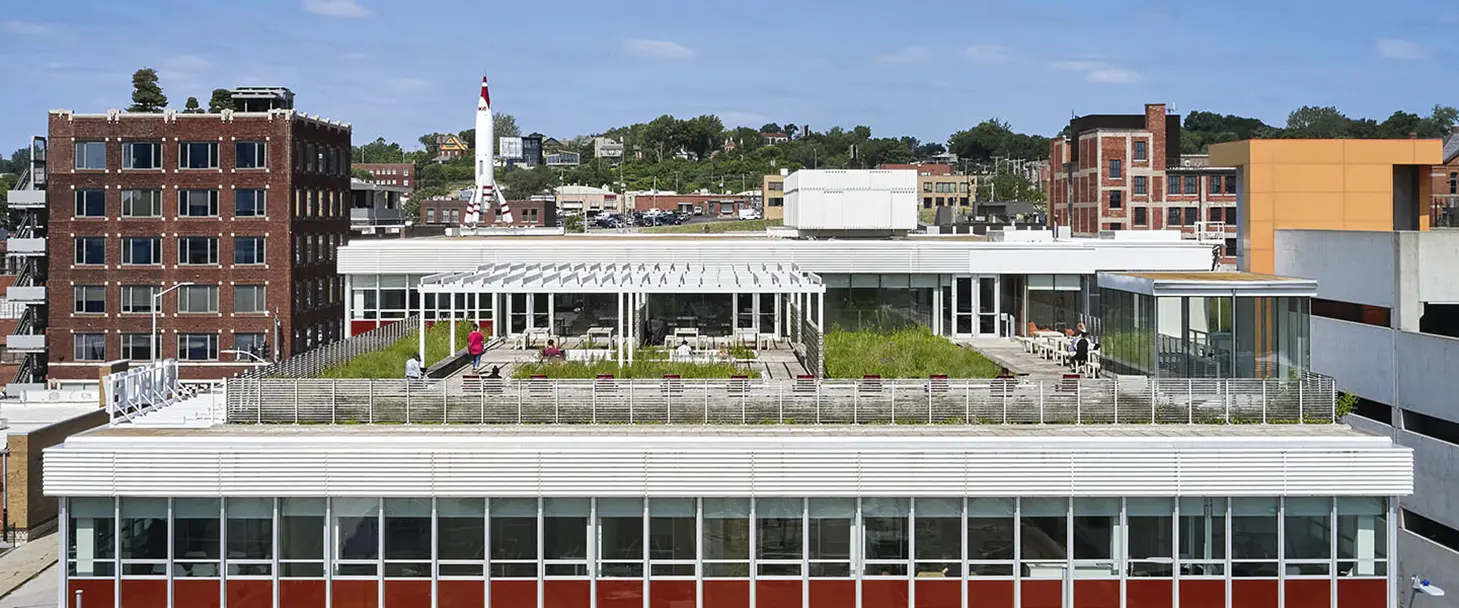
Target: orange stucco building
1331,184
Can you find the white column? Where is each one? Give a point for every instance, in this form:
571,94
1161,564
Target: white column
552,316
452,327
618,335
349,307
422,346
734,314
821,312
1365,545
779,297
937,311
476,310
632,305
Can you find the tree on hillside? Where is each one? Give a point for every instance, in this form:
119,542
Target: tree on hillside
702,135
222,99
378,151
1311,122
930,148
521,183
504,125
192,106
995,138
362,174
790,130
146,93
770,127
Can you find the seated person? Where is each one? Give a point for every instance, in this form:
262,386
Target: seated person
684,352
552,351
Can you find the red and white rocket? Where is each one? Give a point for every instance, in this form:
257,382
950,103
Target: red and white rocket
485,195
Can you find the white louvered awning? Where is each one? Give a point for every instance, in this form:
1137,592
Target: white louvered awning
621,277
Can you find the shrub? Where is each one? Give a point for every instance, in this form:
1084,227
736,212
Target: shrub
390,361
913,352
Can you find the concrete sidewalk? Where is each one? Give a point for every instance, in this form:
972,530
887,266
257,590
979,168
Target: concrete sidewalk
23,563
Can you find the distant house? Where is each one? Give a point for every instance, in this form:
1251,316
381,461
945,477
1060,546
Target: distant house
551,144
604,147
532,147
774,138
564,159
451,147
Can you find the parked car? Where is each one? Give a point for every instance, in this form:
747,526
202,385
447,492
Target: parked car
749,214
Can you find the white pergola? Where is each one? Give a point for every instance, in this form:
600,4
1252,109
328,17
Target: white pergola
630,281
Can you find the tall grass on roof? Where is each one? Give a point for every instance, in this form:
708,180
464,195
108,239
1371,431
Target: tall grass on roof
390,361
638,369
912,352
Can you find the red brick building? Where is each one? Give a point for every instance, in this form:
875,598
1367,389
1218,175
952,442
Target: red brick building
921,168
248,207
699,204
450,211
1125,172
1445,184
390,174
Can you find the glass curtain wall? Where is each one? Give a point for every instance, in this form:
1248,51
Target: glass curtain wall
1204,337
891,548
880,302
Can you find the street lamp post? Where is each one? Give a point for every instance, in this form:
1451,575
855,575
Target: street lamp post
244,353
156,305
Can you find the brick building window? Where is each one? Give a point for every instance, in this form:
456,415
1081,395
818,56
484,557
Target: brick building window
1115,169
926,186
137,347
1454,183
90,299
90,250
197,203
90,203
249,299
248,203
430,215
197,250
945,187
138,298
89,347
1173,184
1116,199
197,347
90,155
141,155
1141,184
197,155
1213,184
250,343
1141,216
141,203
1140,152
1230,184
1172,217
142,251
1192,184
197,299
250,155
962,201
248,250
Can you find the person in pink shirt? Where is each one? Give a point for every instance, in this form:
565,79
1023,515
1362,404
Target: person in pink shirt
475,345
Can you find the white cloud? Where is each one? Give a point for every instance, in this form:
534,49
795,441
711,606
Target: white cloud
1402,50
987,53
657,49
911,54
347,9
1099,71
26,28
742,119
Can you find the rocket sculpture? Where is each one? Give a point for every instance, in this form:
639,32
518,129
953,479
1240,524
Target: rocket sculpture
485,194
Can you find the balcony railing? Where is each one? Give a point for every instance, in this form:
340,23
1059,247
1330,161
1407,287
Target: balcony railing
1309,400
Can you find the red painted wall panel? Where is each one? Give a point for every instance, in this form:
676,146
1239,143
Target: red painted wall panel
671,594
832,593
884,594
778,594
251,594
406,594
568,594
301,594
1205,593
1150,592
144,594
990,594
1097,594
1306,593
1362,593
939,594
195,592
726,594
1043,594
459,594
513,594
1252,593
355,594
359,327
94,592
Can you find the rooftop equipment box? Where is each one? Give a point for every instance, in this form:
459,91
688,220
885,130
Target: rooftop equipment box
850,199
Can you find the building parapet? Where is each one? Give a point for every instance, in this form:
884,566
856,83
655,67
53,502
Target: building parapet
937,401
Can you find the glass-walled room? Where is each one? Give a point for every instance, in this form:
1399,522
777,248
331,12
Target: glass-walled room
779,552
1217,327
879,302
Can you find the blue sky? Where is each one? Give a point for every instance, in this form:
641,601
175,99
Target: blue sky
398,69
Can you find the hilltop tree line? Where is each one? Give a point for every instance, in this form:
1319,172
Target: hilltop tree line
1201,129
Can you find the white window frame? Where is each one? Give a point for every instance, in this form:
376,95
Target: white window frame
156,257
260,152
131,342
77,346
184,202
188,297
260,255
129,296
260,202
83,293
260,298
130,200
186,151
183,248
212,346
80,193
84,153
127,155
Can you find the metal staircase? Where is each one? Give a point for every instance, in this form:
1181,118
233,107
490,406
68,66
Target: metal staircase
26,251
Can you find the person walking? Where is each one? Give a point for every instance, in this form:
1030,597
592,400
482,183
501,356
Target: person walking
412,368
475,345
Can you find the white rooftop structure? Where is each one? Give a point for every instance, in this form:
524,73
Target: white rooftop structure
618,277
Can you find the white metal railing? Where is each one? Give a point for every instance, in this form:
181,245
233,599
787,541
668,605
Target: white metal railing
140,390
314,362
1127,400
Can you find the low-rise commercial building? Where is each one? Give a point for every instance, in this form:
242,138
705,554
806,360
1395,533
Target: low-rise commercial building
390,174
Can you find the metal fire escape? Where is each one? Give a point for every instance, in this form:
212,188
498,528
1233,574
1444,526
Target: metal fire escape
26,253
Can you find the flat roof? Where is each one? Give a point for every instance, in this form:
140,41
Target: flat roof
1237,284
620,277
22,417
